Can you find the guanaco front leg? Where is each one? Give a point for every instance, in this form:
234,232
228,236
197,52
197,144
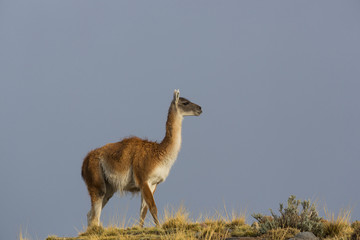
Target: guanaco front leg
148,202
144,207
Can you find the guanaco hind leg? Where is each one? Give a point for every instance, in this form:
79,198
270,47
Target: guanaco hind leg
143,211
109,193
148,202
95,212
98,202
97,188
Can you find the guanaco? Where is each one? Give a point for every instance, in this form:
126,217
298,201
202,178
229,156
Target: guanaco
135,165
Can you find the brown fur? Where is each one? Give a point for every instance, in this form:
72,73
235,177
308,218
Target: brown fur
132,162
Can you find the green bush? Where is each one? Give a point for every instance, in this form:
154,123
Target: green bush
306,220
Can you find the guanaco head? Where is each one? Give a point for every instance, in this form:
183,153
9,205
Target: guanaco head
184,106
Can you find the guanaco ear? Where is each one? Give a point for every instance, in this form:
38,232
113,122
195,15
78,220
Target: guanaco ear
176,95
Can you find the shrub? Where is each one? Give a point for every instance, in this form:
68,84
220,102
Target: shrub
306,220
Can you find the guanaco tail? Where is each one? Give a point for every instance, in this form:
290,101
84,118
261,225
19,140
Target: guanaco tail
135,165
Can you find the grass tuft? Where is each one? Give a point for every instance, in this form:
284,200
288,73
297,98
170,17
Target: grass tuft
22,237
337,226
236,219
244,231
281,233
356,230
93,230
52,237
175,218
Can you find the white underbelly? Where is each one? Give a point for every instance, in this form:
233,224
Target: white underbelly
159,174
120,181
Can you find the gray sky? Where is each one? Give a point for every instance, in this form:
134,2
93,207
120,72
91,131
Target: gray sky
278,82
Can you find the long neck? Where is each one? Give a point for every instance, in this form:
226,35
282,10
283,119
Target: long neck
172,139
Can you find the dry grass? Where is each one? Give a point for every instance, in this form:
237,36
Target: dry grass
110,233
177,224
337,227
23,237
175,218
281,233
223,225
356,230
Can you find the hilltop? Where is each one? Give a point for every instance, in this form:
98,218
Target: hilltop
298,216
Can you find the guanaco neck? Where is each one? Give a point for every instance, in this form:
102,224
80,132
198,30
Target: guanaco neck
172,140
